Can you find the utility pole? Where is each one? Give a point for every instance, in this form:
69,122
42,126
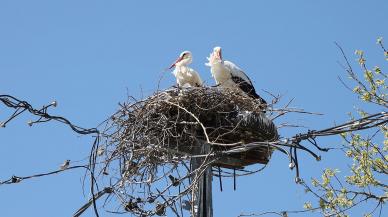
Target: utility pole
203,200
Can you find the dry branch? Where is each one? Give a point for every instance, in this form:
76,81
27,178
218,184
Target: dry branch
147,145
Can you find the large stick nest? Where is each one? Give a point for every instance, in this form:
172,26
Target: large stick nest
149,143
181,119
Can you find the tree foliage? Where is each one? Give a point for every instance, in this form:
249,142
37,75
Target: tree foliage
366,181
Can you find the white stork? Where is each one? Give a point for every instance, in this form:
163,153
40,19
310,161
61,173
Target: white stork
227,74
185,76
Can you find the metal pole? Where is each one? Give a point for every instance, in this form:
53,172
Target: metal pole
203,199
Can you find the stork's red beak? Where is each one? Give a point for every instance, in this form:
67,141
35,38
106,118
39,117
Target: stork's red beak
176,61
219,54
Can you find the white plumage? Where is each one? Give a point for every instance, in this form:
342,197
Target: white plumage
229,75
185,76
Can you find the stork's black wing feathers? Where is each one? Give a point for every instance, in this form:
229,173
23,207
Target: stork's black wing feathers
248,89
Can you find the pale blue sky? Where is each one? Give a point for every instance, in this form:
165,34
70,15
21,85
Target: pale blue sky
88,55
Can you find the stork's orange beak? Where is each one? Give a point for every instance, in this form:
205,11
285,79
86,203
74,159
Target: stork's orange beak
176,61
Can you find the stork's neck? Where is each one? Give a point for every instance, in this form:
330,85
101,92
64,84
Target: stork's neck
217,65
220,73
182,68
215,62
181,64
179,69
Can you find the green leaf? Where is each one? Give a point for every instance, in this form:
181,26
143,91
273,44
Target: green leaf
307,205
359,52
377,70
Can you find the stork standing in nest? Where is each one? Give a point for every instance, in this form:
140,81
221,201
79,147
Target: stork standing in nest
229,75
185,76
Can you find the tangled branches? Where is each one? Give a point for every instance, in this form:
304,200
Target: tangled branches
154,142
365,180
146,159
150,145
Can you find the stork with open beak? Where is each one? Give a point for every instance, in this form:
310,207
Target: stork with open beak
185,76
229,75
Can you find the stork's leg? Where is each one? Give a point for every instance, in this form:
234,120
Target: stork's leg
178,87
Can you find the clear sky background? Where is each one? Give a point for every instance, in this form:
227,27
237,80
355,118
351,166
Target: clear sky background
88,55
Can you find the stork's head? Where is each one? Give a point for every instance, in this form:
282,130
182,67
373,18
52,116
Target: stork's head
215,57
185,58
217,53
